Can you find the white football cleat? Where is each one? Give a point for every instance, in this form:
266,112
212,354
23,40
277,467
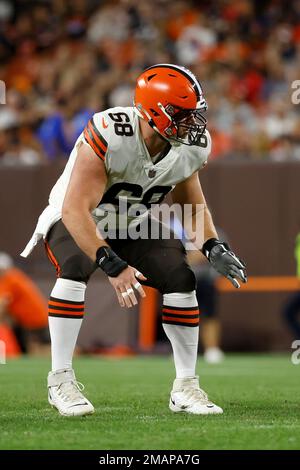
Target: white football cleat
64,393
188,397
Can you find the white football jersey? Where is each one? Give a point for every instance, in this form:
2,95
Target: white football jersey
114,135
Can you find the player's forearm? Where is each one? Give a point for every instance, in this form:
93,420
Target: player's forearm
209,227
82,228
201,227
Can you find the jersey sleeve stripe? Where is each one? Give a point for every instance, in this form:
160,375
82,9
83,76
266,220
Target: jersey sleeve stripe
100,136
89,138
97,136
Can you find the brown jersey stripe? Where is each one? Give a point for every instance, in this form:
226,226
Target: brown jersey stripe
167,322
65,316
97,139
71,302
181,312
100,136
88,137
181,320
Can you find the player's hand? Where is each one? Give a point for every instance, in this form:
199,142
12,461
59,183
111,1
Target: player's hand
225,261
124,285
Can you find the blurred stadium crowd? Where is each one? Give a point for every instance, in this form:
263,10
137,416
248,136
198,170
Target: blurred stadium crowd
62,61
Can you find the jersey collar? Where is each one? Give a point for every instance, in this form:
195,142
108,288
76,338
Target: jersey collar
163,163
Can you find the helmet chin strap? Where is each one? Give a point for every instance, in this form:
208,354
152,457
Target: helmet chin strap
163,137
151,123
171,141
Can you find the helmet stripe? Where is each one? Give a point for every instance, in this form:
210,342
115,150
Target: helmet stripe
186,72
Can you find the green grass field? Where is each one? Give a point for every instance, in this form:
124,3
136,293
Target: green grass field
259,394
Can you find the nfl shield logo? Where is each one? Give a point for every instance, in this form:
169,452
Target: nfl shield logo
151,173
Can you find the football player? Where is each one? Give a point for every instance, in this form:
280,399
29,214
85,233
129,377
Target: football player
140,154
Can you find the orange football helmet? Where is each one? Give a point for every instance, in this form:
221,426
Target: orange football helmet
170,98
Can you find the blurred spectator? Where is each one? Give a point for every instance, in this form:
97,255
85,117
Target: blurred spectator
195,42
62,61
60,130
19,147
23,308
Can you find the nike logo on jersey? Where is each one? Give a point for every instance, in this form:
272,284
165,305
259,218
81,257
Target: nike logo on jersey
104,125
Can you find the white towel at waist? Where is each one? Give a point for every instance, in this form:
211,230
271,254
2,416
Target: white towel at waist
47,218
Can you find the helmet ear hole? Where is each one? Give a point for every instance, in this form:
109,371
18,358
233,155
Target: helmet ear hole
155,113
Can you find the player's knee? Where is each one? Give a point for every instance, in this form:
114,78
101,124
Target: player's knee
77,268
182,279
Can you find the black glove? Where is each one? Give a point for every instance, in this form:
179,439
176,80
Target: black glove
109,261
225,261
